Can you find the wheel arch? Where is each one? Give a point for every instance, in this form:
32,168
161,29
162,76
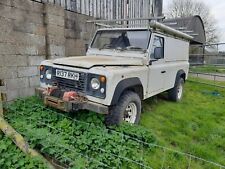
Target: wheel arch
130,84
180,74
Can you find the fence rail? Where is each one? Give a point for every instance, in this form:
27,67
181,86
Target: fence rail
107,9
207,54
216,78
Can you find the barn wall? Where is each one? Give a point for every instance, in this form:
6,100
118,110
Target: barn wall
110,9
31,32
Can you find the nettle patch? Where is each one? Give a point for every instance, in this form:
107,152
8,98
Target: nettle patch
12,157
81,141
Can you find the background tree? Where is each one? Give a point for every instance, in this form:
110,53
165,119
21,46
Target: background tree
185,8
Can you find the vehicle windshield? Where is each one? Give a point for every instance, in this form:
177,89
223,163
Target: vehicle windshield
137,40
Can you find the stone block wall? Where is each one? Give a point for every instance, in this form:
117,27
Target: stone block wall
31,32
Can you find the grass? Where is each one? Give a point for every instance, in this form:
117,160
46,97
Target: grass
208,69
196,125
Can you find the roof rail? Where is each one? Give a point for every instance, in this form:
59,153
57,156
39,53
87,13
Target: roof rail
151,23
169,30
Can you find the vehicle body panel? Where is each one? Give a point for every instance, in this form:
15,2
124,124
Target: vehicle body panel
116,65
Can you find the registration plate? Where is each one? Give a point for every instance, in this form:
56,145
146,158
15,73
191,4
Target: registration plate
67,74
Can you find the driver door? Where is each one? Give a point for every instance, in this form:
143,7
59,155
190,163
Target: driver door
156,66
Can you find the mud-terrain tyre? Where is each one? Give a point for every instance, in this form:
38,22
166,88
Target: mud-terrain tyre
175,94
127,109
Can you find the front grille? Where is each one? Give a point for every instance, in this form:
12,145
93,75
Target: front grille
71,85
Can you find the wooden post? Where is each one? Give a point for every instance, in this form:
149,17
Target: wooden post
1,105
21,143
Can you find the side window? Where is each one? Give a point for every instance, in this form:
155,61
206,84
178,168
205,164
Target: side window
158,48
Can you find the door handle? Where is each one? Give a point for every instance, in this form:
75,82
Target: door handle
163,72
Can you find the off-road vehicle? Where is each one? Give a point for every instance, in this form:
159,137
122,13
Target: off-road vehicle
122,67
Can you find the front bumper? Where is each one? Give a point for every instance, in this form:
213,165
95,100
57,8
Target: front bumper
70,106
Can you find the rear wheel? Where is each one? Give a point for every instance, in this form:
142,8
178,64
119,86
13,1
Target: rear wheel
176,93
128,109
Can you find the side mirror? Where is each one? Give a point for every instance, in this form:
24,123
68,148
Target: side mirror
158,53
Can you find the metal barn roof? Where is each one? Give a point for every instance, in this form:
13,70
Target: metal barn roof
192,26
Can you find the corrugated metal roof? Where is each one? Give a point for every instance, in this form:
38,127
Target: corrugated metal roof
192,26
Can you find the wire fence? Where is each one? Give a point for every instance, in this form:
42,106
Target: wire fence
37,124
211,54
213,79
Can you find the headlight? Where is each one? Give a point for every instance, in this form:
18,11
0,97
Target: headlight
95,83
48,74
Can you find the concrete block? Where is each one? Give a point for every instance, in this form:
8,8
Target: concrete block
56,51
28,5
12,95
34,81
87,36
17,83
75,52
55,30
6,11
2,89
5,2
28,71
35,60
8,72
28,27
56,40
1,60
6,37
26,16
27,39
6,25
15,60
9,49
54,20
21,15
26,92
54,9
72,34
75,43
12,49
73,24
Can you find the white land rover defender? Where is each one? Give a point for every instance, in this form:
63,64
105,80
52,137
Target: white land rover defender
123,66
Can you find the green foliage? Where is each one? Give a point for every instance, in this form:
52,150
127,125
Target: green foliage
12,157
81,141
195,125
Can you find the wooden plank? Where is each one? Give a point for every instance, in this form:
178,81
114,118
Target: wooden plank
105,9
68,5
63,3
78,6
99,8
82,7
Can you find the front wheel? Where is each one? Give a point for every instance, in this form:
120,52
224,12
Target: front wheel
176,93
128,109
